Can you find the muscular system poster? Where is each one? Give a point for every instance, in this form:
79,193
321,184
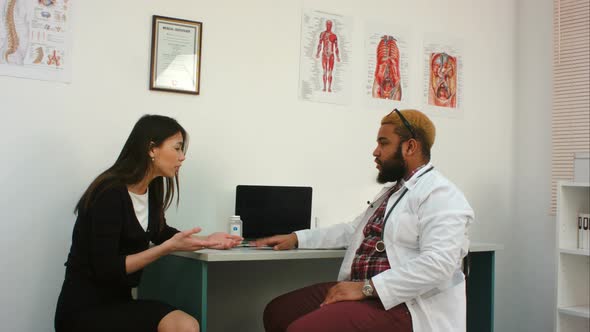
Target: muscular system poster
35,39
443,78
386,51
325,57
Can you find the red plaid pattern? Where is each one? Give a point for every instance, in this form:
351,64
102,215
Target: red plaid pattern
368,262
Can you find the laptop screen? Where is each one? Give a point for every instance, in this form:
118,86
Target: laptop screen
271,210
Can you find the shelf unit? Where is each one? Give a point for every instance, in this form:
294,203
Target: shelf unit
573,264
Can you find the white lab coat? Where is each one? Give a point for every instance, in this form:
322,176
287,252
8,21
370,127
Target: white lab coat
425,239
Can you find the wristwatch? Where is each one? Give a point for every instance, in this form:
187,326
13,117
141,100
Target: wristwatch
368,290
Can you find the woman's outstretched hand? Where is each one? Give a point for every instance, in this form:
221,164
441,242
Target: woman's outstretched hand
185,241
226,241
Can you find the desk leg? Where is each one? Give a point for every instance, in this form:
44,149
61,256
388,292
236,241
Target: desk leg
179,281
203,291
480,292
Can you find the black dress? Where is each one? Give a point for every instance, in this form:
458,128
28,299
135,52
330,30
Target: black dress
96,293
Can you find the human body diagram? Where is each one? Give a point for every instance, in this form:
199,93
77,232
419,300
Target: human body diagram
328,46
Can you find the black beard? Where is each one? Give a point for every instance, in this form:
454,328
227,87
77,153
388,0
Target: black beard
392,169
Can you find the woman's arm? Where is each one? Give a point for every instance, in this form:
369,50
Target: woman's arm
181,241
107,263
225,241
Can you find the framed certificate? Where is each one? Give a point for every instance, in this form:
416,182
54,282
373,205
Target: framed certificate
176,55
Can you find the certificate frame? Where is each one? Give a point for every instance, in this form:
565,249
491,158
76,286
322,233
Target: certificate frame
175,64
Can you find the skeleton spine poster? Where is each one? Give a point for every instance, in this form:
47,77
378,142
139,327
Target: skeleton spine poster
443,78
325,57
35,39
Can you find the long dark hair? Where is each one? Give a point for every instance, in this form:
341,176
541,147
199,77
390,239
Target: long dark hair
134,162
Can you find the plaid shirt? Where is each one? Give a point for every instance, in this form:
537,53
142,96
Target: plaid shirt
368,262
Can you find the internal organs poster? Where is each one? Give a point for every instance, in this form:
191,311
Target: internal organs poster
387,63
443,80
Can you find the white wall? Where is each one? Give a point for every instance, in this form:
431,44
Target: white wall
533,231
247,126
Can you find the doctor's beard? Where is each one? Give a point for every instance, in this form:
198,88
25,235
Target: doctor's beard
392,169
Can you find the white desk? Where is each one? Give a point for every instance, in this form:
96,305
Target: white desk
260,254
255,276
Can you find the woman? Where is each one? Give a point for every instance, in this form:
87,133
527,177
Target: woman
119,214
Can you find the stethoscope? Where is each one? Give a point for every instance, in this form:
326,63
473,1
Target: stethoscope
380,245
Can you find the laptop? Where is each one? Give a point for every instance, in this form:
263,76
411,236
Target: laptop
272,210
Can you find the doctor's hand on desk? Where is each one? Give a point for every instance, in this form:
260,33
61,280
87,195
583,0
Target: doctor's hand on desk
278,242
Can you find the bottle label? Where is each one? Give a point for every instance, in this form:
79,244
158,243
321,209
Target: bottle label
235,229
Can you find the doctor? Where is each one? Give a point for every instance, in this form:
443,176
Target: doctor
402,269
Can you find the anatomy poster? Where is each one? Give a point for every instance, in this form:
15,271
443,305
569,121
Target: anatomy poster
325,57
35,39
443,78
386,50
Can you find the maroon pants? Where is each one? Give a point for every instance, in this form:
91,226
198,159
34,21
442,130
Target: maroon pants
299,311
